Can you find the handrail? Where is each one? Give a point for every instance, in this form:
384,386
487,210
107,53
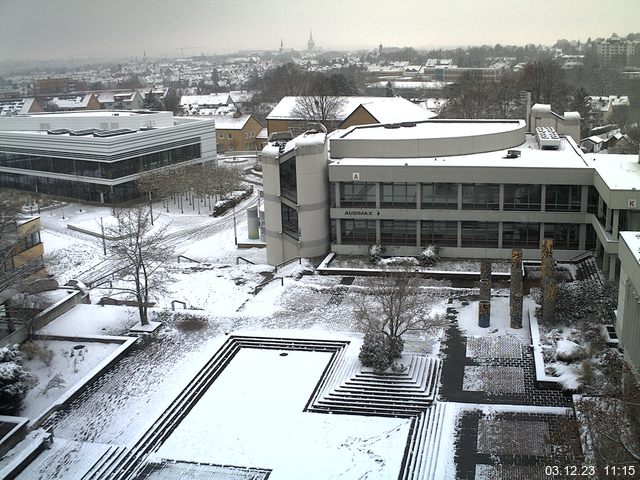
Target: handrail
187,258
242,258
258,287
286,262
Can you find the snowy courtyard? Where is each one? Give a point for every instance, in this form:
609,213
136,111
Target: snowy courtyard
261,411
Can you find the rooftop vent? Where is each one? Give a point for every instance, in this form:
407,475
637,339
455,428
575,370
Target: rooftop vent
112,133
86,131
279,136
513,153
58,131
547,138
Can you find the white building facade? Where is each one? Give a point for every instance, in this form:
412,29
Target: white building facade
98,155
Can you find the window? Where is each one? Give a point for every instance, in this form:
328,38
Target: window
440,195
398,232
565,235
288,180
480,196
221,136
520,235
480,234
229,136
592,199
563,198
289,220
440,233
29,241
358,194
522,197
398,195
358,232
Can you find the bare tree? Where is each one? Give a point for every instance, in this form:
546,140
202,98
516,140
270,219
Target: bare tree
610,416
319,103
144,252
393,305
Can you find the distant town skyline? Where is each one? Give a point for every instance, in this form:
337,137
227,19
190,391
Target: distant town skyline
59,29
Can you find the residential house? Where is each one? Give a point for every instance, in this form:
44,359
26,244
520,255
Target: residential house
237,132
349,111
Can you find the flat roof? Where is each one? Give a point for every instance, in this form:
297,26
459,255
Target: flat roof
531,156
431,129
619,172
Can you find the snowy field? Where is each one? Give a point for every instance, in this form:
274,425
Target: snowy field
262,396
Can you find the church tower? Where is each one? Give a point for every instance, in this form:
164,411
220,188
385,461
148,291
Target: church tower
281,47
311,44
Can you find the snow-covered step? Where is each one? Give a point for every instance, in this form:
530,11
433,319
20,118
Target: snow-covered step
103,467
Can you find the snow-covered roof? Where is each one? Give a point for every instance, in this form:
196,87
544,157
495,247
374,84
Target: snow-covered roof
619,172
67,103
384,109
212,100
632,239
229,122
530,157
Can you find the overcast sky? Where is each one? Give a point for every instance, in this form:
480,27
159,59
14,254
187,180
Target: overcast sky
57,29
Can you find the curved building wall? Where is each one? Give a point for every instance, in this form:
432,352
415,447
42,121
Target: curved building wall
433,138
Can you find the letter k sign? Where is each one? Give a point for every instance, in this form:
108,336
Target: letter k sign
632,203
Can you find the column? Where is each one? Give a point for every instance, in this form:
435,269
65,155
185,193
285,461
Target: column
516,288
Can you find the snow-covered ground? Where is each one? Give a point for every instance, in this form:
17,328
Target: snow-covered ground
262,396
71,361
253,414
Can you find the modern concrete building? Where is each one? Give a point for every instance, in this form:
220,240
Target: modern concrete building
628,314
476,189
98,155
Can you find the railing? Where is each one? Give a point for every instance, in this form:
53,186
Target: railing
173,304
243,259
259,287
188,259
287,262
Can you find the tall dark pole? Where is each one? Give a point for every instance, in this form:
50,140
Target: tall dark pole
104,243
151,207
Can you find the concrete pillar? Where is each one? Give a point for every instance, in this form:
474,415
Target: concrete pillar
484,314
549,301
608,219
615,222
253,223
612,267
516,299
548,281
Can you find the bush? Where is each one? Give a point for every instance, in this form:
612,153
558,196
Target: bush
15,381
34,350
429,256
376,252
375,351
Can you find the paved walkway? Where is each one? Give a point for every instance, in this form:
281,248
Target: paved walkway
499,372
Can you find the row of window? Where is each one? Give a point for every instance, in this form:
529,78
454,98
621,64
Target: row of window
473,234
68,188
475,196
88,168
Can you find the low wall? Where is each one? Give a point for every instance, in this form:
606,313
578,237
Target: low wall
58,308
542,379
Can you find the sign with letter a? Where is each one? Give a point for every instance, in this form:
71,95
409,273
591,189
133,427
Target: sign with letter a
355,176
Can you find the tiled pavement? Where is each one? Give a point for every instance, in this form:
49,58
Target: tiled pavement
499,371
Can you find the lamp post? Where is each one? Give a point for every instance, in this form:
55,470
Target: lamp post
235,230
104,243
150,207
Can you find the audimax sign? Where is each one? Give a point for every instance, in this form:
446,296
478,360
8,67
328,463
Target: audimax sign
361,213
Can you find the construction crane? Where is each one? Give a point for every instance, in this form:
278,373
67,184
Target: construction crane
182,49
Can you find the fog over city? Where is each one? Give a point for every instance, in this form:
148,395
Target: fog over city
58,29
